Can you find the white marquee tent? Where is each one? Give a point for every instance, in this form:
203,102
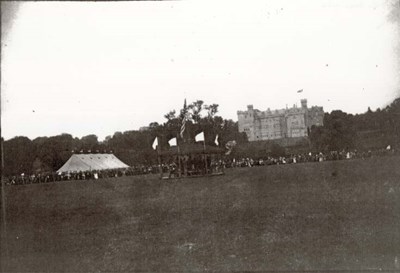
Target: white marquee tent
91,162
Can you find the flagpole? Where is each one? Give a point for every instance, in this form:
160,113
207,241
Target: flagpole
179,156
159,159
182,131
205,155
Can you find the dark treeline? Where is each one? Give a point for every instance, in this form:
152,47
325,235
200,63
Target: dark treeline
371,130
46,154
341,131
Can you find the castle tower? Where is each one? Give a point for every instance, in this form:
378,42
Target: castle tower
304,103
246,122
306,115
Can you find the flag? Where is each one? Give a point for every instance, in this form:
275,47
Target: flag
172,142
183,127
299,91
216,140
155,143
200,137
229,146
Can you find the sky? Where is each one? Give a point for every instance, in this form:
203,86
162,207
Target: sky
96,67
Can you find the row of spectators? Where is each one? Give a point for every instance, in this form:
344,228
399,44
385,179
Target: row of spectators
213,165
85,175
309,157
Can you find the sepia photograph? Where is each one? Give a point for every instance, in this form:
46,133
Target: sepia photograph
200,136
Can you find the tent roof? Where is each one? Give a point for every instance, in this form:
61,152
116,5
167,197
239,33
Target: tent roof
196,148
90,162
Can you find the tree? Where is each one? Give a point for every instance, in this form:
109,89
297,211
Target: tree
169,116
211,110
319,138
195,109
338,132
230,131
154,125
57,150
19,154
90,142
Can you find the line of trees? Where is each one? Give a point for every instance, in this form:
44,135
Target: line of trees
373,129
45,154
341,131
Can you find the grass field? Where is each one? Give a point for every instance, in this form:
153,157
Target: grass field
342,215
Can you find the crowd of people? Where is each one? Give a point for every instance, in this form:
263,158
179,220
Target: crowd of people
309,157
81,175
199,167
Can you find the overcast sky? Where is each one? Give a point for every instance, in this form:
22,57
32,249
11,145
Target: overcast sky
97,67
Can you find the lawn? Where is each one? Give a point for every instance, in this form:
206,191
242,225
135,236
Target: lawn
342,215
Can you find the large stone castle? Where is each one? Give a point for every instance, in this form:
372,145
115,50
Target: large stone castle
282,123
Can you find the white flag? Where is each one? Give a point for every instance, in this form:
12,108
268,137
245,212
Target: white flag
172,142
200,137
155,143
230,145
216,141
